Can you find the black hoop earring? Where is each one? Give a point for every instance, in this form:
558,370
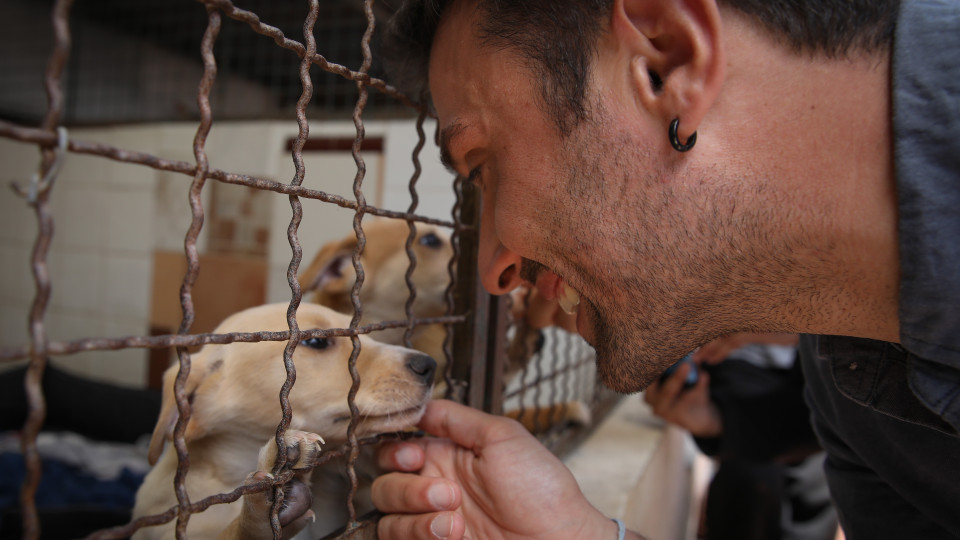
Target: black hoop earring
675,140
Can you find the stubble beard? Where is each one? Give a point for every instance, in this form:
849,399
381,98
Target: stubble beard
657,287
607,238
666,255
648,279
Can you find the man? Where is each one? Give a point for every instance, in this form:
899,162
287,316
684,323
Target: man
683,170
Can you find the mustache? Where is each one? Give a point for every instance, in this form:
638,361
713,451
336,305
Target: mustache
530,269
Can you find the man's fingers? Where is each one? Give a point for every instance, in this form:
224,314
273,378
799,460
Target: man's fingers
410,493
421,526
713,352
672,387
465,426
407,456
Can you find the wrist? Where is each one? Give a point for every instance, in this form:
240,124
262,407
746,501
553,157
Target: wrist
621,528
621,532
596,527
599,526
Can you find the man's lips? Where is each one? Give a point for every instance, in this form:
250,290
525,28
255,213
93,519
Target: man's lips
553,287
570,300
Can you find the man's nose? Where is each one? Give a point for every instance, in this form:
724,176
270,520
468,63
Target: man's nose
499,269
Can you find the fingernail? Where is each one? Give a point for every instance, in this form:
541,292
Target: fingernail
440,496
442,525
406,458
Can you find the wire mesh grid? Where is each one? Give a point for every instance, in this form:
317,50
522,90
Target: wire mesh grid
556,369
137,62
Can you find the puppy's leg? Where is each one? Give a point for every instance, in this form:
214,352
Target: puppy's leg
303,449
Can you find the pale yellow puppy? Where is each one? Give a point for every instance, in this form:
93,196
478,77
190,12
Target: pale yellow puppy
234,389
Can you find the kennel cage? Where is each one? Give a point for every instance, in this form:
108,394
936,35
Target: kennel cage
490,364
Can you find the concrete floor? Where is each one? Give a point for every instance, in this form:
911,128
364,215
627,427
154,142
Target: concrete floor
636,468
609,466
609,463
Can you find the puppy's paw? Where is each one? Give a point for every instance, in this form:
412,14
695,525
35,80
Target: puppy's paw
303,450
294,513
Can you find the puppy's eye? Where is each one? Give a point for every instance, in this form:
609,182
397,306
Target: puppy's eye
316,343
430,240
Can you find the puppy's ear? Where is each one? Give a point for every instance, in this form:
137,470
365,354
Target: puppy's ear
163,431
331,271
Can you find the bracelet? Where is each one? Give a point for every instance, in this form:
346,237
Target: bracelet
621,529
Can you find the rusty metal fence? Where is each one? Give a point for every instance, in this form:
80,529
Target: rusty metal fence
557,369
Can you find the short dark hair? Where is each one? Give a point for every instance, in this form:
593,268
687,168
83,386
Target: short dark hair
834,28
558,38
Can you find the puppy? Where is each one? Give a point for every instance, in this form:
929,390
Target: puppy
233,390
331,276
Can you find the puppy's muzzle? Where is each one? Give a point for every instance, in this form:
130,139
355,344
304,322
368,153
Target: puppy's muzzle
423,367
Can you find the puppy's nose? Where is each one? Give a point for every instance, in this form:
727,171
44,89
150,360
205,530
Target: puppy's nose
422,366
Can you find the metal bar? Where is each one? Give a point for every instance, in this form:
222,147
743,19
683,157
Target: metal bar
55,348
48,139
358,268
496,354
193,267
555,348
411,255
451,294
306,95
39,199
361,77
470,342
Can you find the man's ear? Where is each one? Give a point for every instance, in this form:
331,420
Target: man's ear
677,59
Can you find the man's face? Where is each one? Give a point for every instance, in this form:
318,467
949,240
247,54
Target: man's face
592,206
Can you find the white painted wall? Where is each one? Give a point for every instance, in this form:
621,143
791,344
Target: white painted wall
110,217
100,258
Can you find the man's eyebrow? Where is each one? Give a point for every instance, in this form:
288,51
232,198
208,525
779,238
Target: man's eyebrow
447,135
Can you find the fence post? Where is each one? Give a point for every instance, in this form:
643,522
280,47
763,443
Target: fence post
470,341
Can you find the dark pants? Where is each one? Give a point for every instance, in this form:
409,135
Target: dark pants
893,471
763,500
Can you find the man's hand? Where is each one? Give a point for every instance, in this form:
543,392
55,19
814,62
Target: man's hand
487,477
688,408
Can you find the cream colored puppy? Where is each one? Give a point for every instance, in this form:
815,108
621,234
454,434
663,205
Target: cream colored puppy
234,389
330,277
